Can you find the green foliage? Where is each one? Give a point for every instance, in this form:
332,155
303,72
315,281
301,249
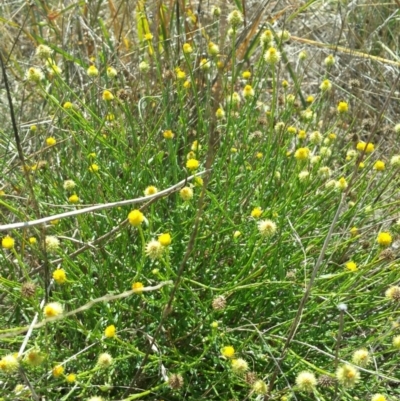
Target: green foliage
281,252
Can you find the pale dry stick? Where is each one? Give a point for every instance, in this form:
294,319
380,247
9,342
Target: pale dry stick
104,298
101,206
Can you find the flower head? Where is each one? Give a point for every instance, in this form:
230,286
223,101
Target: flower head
365,147
168,134
213,49
57,371
361,357
104,360
94,168
53,309
110,331
52,243
256,212
135,218
150,190
351,266
187,48
248,92
137,286
326,85
302,154
9,363
396,342
144,66
165,239
306,381
50,141
378,397
267,228
186,193
384,239
69,185
73,198
154,249
272,56
379,165
34,75
342,107
239,366
192,164
347,375
260,387
393,293
44,52
7,242
175,381
71,378
92,71
107,95
235,18
228,351
111,72
59,276
34,357
329,61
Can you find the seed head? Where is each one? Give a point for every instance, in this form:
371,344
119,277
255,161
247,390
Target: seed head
347,375
175,381
361,357
219,303
239,366
104,360
260,387
267,228
326,381
393,293
9,364
53,309
52,243
28,289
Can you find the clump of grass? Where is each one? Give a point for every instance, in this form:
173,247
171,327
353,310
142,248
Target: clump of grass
187,216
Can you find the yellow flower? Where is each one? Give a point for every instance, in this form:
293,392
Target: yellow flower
187,84
58,371
137,287
168,134
396,342
302,135
213,49
107,95
73,199
341,184
71,378
187,48
310,99
302,154
378,397
259,155
53,309
354,231
248,91
94,168
9,363
361,357
246,74
32,240
367,147
148,36
342,107
256,212
347,375
111,72
68,105
192,164
150,190
135,218
7,242
186,193
50,141
384,239
110,331
59,276
260,387
165,239
237,234
204,64
220,113
228,351
92,71
272,56
379,165
351,266
180,75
